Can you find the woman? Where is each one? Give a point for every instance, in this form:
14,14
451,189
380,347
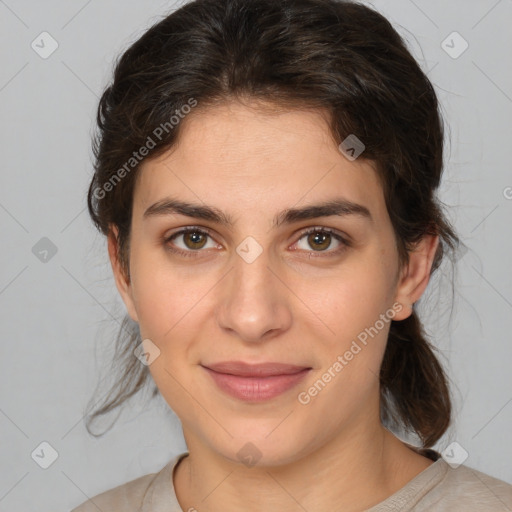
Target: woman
266,176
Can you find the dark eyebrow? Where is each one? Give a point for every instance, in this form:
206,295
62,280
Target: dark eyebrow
338,207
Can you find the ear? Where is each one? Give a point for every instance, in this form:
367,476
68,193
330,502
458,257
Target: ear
123,283
415,276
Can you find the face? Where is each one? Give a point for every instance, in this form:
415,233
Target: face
263,277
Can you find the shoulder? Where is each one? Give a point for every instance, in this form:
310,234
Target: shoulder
469,489
454,488
443,488
127,497
139,494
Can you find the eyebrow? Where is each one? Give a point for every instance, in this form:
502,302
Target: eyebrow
334,207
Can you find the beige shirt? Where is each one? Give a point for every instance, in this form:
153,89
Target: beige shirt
438,488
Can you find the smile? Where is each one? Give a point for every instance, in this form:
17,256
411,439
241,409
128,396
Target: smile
255,383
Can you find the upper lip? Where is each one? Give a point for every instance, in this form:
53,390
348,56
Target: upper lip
255,370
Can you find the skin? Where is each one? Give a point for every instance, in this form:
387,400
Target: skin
296,303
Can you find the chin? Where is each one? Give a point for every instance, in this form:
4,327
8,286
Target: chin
262,446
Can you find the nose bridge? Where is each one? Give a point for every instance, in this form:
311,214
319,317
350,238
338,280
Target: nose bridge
254,301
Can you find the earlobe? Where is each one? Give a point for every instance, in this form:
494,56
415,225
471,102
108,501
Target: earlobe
416,274
122,281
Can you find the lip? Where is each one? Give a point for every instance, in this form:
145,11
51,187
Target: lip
242,369
255,382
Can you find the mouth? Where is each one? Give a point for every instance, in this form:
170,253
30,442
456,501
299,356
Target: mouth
255,382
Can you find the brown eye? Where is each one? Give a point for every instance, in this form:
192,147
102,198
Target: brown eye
188,242
319,240
194,240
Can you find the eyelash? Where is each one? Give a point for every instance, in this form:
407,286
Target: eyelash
202,231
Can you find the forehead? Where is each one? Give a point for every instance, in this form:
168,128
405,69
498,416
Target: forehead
245,158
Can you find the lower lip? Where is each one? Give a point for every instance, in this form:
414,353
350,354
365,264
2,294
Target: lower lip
256,389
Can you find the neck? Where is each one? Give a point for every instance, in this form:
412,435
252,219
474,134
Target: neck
356,470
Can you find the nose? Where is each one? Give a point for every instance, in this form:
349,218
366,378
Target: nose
255,302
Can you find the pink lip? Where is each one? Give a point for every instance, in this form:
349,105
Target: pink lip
255,382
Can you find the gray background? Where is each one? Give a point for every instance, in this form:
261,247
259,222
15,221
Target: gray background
59,317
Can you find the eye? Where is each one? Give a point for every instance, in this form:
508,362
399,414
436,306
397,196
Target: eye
193,239
321,239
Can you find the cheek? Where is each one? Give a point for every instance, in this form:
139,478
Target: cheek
356,308
358,311
162,294
350,300
169,309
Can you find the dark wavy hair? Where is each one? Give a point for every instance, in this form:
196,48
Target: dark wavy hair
340,57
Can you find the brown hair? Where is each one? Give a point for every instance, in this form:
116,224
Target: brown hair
340,57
